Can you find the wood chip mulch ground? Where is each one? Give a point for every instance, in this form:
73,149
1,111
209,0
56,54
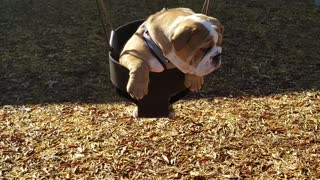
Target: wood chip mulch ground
258,117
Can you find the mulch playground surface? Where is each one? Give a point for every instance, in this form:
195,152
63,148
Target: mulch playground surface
257,117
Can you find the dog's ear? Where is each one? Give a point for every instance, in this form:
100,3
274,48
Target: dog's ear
181,36
193,36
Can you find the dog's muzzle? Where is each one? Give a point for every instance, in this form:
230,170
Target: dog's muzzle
210,62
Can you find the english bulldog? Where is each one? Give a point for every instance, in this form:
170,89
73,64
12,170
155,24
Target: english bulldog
173,38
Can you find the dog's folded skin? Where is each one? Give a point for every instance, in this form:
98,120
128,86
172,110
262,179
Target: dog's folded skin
188,40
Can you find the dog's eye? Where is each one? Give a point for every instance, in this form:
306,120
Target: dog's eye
207,47
205,50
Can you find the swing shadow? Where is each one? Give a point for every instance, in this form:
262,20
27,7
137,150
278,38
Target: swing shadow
54,52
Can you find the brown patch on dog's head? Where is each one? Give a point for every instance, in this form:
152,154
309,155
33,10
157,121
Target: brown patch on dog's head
188,38
189,34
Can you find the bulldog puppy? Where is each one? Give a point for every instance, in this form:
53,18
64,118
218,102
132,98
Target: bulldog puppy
187,41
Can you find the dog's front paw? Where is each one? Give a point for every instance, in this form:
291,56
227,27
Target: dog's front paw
136,89
193,82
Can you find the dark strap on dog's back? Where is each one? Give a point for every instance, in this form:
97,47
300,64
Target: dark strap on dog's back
154,49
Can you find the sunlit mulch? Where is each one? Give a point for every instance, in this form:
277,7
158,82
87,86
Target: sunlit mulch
266,137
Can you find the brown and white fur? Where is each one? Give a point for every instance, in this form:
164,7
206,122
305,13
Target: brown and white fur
188,40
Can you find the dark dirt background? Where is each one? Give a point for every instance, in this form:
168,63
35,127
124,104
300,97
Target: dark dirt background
54,51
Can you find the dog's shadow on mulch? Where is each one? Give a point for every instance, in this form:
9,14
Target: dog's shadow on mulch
54,52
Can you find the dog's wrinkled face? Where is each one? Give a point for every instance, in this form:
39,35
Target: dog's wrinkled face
196,41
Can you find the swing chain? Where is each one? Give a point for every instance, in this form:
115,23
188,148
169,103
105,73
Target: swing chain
206,7
105,17
165,5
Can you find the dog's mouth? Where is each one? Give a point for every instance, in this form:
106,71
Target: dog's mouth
216,60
